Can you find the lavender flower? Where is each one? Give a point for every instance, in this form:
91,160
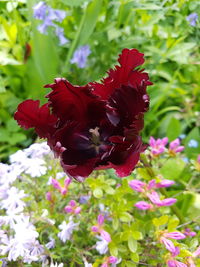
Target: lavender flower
39,10
49,15
60,34
51,243
80,56
84,199
101,245
66,230
192,19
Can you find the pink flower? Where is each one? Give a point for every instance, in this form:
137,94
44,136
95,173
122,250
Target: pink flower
57,185
164,183
72,207
109,260
188,232
174,147
168,244
112,259
98,228
174,235
143,205
174,263
49,196
157,146
155,199
196,253
168,202
137,185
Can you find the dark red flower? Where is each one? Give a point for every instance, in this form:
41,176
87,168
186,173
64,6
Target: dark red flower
95,126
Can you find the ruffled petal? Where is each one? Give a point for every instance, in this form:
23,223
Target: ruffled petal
30,115
123,74
73,103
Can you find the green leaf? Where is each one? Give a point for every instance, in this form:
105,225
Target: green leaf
125,217
135,257
90,19
172,224
132,244
160,221
174,129
172,168
98,193
137,235
115,223
113,249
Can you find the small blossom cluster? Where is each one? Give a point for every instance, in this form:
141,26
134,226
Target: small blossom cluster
98,229
49,16
165,239
148,191
21,238
158,146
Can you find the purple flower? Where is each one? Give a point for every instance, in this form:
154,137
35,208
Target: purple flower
188,232
192,19
60,34
84,199
48,15
56,14
80,56
137,185
143,205
174,147
39,10
157,146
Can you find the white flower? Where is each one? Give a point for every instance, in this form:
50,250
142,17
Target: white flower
32,166
13,201
67,230
86,264
37,150
23,243
3,191
102,245
56,264
51,243
8,173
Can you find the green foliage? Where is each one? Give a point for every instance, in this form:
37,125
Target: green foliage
157,28
136,235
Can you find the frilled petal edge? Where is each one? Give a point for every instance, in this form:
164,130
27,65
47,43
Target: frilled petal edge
30,115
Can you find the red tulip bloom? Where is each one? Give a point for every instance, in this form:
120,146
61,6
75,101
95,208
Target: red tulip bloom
95,126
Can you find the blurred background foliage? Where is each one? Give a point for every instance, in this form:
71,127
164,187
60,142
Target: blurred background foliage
159,29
